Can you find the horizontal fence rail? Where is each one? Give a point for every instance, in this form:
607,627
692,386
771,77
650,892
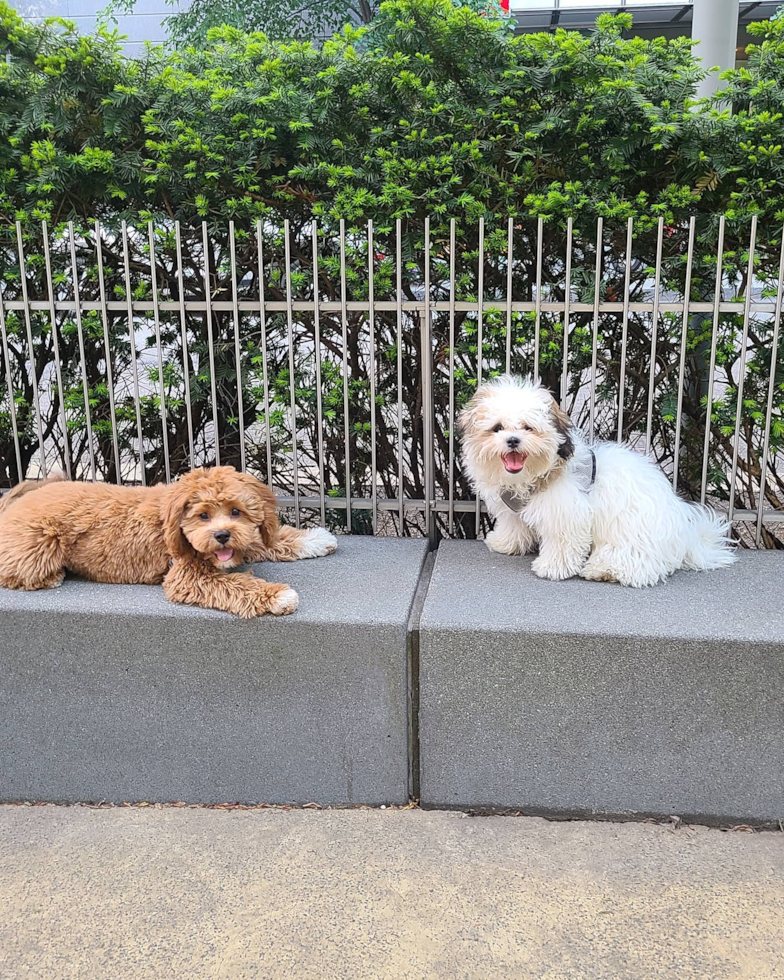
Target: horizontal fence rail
332,359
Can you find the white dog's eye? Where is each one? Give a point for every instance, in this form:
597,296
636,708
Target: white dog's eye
204,517
235,512
497,428
527,427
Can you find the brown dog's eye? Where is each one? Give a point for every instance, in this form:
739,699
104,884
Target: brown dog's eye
497,428
204,517
235,512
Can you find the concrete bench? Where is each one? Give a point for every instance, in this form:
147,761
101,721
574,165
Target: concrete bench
111,692
586,698
573,697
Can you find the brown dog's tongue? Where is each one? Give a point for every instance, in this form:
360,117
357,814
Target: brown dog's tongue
513,462
224,554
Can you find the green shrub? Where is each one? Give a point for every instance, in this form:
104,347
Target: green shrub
433,110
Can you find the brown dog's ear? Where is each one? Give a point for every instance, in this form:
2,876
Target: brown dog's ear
563,425
262,507
175,501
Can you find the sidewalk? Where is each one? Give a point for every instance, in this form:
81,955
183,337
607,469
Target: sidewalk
171,893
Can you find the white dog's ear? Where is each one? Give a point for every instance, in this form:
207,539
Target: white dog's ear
467,417
563,425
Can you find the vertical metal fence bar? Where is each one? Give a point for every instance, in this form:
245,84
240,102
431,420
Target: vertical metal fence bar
82,358
372,372
344,325
452,247
56,348
156,314
317,342
186,361
597,290
538,323
742,371
237,350
771,390
399,298
627,279
30,348
10,385
654,333
567,312
509,292
428,437
132,342
107,349
292,378
210,341
480,295
712,369
264,366
682,364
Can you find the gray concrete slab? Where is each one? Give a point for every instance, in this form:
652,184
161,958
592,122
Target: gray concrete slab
589,698
111,692
143,894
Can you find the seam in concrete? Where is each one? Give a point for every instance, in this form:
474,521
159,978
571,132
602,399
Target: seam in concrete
412,652
725,822
674,823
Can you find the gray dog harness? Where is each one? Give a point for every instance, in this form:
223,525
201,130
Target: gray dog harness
587,470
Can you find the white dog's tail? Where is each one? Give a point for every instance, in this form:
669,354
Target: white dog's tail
709,543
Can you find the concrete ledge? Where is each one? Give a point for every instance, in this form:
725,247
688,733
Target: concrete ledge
111,692
585,697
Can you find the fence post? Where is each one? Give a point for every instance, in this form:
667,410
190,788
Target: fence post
428,435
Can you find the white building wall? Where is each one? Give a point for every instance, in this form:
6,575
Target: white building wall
144,24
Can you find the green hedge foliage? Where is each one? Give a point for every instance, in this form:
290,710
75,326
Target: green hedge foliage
433,111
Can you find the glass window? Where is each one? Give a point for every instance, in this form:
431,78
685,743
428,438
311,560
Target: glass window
616,4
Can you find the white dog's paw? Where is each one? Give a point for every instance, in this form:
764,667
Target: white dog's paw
316,543
555,570
503,544
597,573
284,603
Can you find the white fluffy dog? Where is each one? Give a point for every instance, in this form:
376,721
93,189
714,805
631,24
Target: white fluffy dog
603,512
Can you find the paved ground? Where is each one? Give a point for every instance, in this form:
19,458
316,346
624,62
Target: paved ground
171,893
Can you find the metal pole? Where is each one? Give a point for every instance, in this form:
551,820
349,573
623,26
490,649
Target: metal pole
715,27
428,438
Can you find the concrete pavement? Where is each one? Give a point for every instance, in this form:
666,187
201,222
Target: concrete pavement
199,893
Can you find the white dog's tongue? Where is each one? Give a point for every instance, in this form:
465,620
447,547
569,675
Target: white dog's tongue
513,462
224,554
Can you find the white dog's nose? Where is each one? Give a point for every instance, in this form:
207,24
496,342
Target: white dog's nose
513,441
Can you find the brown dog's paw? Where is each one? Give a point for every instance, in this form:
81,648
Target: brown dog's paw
284,603
316,543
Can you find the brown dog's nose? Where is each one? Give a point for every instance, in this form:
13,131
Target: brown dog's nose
222,536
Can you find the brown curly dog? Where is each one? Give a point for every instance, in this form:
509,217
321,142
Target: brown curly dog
186,535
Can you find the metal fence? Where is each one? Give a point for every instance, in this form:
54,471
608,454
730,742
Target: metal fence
331,359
